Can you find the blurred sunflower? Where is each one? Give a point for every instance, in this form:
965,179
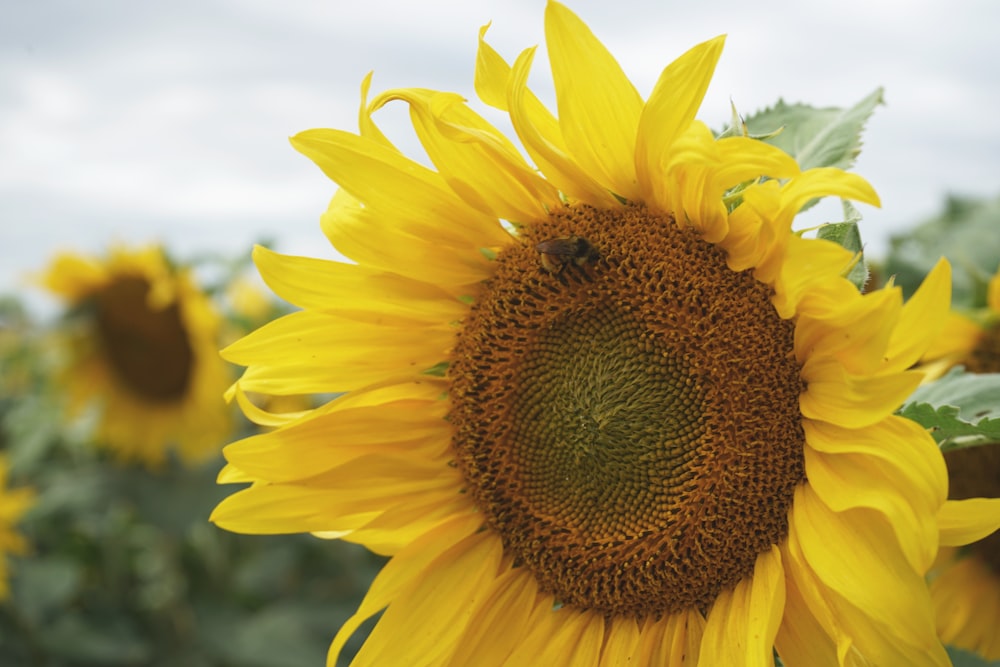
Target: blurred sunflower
13,504
142,340
609,411
965,583
970,339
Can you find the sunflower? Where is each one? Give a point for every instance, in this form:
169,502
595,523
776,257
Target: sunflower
970,339
13,504
142,340
965,583
606,411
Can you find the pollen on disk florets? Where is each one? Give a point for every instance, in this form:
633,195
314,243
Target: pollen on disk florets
628,424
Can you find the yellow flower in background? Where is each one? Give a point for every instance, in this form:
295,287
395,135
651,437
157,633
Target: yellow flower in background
609,411
248,301
972,341
965,583
13,504
142,342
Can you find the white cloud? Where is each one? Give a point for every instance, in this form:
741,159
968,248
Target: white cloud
170,120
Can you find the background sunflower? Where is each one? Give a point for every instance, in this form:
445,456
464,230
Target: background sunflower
14,502
962,406
139,344
123,568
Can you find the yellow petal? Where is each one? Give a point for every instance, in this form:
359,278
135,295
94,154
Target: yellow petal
622,646
896,438
312,352
599,108
966,521
837,321
959,335
835,396
306,448
479,164
494,631
895,444
382,243
399,573
576,640
349,288
506,89
674,640
753,235
993,293
847,481
540,133
74,277
461,576
391,185
741,626
806,263
232,475
967,596
670,109
805,636
492,73
922,320
340,499
825,182
545,621
851,557
366,125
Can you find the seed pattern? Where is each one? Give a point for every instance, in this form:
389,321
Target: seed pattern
629,426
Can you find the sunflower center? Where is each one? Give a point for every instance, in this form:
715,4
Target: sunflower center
626,412
985,356
974,472
148,349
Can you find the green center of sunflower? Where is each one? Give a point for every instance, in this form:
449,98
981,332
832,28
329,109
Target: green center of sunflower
626,412
974,472
985,356
148,350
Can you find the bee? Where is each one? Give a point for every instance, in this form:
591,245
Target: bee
557,253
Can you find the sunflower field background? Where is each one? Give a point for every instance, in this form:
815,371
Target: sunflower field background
119,564
116,564
116,407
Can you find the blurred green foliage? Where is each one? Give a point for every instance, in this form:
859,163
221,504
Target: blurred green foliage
967,232
960,409
961,658
125,568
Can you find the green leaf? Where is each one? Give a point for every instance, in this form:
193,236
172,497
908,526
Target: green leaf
966,233
829,137
846,234
961,409
280,635
44,584
437,370
960,658
94,639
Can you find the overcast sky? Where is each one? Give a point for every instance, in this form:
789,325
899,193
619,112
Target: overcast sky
168,120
